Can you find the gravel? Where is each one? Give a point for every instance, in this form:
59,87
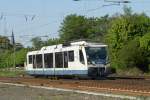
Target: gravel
8,92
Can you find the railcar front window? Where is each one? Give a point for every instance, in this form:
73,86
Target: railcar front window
96,55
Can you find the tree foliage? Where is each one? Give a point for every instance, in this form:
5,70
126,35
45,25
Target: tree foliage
4,43
37,42
8,57
79,27
7,53
128,33
53,41
145,41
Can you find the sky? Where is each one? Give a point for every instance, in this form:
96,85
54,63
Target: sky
31,18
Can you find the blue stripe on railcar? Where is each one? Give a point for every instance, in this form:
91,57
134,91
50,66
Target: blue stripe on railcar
58,72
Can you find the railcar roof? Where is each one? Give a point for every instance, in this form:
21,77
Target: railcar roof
84,43
73,44
32,52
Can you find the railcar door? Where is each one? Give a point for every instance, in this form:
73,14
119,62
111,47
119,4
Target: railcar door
59,63
34,64
65,60
39,64
48,64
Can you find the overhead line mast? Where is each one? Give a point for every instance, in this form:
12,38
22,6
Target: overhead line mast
14,47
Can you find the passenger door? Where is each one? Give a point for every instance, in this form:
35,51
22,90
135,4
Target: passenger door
59,63
65,60
48,64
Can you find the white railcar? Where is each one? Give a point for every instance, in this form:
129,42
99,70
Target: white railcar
79,58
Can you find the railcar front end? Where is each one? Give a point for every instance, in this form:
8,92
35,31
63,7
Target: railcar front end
96,60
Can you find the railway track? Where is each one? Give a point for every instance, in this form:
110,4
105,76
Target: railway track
132,86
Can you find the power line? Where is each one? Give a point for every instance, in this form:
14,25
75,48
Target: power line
25,16
36,27
118,1
110,3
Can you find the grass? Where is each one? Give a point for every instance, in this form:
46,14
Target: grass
11,73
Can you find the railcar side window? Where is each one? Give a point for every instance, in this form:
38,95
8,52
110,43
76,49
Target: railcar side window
81,57
48,60
30,59
59,60
39,61
71,56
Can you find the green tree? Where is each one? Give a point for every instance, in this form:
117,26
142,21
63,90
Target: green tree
21,57
131,55
37,42
123,50
74,27
4,43
79,27
145,44
7,53
145,41
53,41
7,58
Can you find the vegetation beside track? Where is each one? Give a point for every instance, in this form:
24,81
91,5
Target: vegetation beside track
11,72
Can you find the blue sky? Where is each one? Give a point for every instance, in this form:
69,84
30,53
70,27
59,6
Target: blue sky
30,18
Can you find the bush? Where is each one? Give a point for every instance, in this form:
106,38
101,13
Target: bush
134,71
131,56
7,58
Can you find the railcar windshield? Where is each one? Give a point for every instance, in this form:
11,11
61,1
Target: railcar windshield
96,55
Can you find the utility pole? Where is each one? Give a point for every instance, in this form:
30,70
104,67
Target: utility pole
14,49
